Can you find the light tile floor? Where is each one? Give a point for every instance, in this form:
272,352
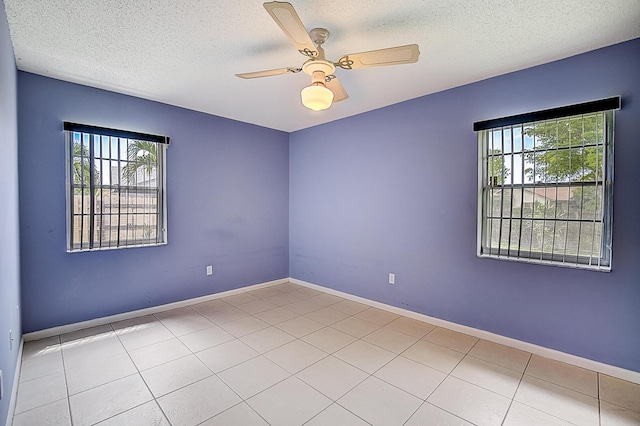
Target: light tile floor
290,355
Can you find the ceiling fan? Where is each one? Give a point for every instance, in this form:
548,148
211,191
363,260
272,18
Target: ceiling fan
325,87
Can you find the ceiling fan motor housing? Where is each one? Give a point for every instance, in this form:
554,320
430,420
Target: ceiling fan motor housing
318,69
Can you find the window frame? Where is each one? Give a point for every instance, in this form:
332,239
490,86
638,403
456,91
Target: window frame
607,108
161,145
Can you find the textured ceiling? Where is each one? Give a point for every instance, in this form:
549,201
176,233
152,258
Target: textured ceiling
187,53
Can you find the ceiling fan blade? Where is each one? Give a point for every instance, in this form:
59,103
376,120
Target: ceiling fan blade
376,58
286,17
339,94
268,73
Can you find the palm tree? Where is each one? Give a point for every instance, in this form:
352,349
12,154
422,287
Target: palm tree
82,169
141,155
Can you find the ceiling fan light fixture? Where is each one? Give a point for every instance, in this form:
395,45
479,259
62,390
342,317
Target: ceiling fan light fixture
316,97
325,87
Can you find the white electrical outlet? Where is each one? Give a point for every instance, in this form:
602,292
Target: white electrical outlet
209,269
392,278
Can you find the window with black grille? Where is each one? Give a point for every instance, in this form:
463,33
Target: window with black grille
545,186
116,188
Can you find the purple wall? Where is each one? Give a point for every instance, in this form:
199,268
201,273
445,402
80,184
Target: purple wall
9,235
395,190
227,192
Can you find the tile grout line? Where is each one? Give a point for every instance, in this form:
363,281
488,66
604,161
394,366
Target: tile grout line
466,354
137,373
191,353
599,400
66,383
504,419
238,338
301,340
155,400
396,355
138,370
562,386
534,408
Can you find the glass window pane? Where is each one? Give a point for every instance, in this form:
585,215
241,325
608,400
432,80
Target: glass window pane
496,203
600,164
85,144
77,201
507,168
514,243
77,229
586,238
597,240
497,168
562,136
553,215
86,229
517,139
114,221
591,132
496,141
598,203
85,201
486,236
113,162
528,133
575,131
539,203
517,171
525,235
516,202
560,238
573,236
506,136
504,238
495,233
536,236
548,234
590,162
97,204
506,202
585,198
549,202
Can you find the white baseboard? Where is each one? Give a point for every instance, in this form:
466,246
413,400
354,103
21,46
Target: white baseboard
599,367
610,370
14,388
54,331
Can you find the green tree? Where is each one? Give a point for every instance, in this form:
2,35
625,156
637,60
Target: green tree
498,171
141,155
82,166
569,150
565,149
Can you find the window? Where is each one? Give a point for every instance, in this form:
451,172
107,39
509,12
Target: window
545,186
116,188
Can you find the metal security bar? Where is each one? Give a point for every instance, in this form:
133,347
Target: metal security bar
116,195
545,191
